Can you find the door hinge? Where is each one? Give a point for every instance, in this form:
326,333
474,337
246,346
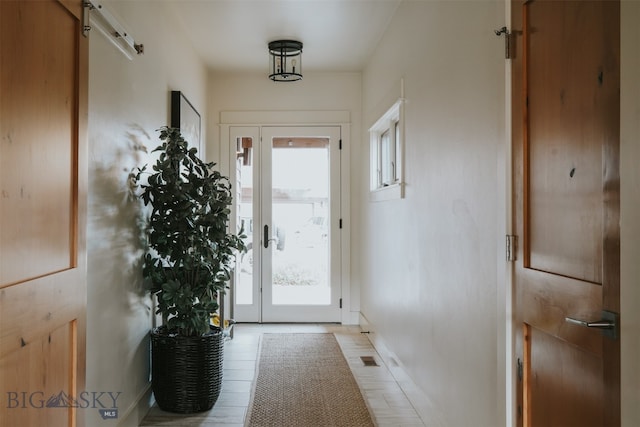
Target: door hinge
340,145
507,42
340,302
511,247
519,369
340,223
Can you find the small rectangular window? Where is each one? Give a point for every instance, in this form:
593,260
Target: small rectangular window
386,138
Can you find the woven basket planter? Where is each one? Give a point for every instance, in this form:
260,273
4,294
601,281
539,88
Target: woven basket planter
186,372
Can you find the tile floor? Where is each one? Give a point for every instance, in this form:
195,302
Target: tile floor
387,402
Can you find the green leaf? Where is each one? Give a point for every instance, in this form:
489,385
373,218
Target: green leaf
190,251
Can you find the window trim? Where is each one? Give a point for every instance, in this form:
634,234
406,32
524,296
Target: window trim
392,121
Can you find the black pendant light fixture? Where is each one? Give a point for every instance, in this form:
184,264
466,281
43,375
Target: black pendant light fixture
285,60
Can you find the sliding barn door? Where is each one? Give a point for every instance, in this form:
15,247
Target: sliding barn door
43,87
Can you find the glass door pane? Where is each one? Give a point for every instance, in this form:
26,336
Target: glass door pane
245,175
244,195
300,208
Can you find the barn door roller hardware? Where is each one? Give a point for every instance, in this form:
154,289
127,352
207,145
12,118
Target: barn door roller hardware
97,16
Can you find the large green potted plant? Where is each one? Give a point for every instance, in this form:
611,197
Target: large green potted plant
190,257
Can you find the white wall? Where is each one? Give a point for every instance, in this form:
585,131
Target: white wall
433,310
432,293
255,92
630,212
128,101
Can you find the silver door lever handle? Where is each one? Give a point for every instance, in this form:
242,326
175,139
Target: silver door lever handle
608,323
599,324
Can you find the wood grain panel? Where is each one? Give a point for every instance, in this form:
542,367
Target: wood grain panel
546,300
38,109
39,371
566,90
53,301
565,384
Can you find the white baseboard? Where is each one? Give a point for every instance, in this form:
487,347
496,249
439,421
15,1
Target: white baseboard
135,413
351,318
425,408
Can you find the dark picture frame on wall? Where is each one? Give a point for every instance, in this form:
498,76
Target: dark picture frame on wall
185,117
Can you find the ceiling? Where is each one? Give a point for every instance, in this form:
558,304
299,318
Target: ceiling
338,35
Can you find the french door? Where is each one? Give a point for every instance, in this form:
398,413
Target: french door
287,182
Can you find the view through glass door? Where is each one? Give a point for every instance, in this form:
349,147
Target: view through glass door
287,193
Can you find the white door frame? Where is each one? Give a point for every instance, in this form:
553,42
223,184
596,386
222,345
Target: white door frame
229,119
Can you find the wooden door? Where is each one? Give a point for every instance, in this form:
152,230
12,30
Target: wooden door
566,184
43,102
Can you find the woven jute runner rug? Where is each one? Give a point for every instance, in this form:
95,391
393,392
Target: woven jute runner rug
304,380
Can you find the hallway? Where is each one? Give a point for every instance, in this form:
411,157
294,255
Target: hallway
385,397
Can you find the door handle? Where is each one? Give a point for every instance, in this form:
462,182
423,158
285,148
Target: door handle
598,324
266,238
608,323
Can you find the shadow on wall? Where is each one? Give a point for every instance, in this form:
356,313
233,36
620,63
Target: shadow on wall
116,238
